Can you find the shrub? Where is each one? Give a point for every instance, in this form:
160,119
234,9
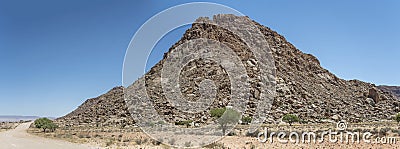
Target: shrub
218,112
81,136
232,133
151,124
145,140
45,123
397,118
303,121
384,131
252,146
230,116
252,134
156,142
246,120
186,123
290,118
188,144
160,123
109,142
141,140
52,126
225,117
216,146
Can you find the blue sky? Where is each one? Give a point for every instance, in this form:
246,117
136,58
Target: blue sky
56,54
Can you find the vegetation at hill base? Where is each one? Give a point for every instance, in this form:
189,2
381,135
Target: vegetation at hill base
45,124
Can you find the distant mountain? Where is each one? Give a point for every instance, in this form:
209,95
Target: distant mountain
392,89
16,118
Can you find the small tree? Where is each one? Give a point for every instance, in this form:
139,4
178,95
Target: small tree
225,117
51,126
45,123
397,117
290,118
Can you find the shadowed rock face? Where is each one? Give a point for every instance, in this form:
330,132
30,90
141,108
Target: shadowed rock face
303,86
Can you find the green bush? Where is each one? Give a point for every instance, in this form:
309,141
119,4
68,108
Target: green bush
186,123
397,118
160,123
290,118
246,120
218,112
45,123
225,117
231,116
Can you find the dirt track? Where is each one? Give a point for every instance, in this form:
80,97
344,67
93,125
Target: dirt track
18,138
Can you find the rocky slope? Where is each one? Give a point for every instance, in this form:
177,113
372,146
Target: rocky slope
303,86
106,110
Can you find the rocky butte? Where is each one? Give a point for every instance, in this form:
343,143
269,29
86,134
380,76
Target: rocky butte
303,87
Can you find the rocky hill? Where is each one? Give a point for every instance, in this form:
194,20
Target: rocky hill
303,86
392,89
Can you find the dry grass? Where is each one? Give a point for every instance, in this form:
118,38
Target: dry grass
105,137
4,126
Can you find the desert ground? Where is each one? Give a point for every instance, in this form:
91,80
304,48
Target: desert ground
112,137
21,136
18,138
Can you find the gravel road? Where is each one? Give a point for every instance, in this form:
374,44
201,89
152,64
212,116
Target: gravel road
18,138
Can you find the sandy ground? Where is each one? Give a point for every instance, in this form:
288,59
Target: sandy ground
116,138
18,138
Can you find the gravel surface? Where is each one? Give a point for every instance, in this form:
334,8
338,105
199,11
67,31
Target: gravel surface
18,138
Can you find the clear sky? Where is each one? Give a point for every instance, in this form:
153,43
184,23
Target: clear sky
56,54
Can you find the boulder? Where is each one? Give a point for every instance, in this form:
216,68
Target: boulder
373,93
